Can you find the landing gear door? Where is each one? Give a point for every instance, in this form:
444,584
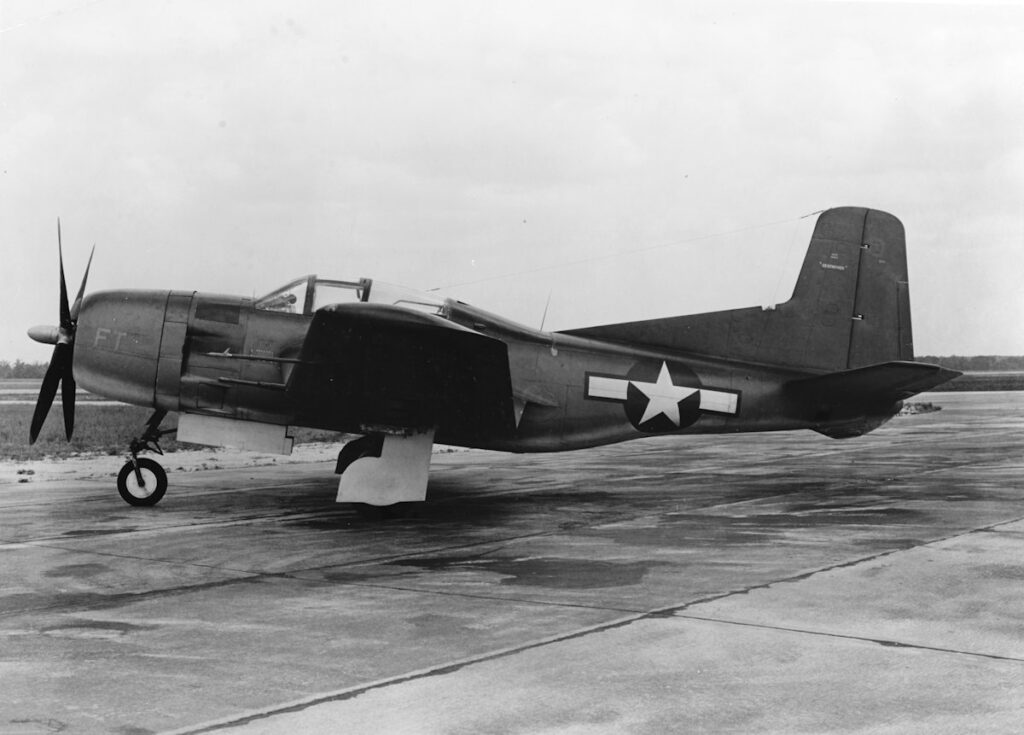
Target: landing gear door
172,349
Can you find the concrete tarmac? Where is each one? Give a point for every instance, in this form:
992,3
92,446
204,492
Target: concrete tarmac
753,583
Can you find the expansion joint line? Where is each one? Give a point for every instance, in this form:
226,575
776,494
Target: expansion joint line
674,611
843,636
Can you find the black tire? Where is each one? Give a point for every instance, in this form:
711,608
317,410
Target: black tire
370,445
154,482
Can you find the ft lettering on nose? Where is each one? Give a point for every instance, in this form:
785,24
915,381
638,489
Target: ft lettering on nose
105,335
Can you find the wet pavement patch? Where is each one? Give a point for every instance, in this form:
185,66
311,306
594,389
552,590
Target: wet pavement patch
98,531
94,629
35,602
346,577
435,624
699,532
755,526
329,521
1007,572
843,507
555,573
873,544
39,724
77,570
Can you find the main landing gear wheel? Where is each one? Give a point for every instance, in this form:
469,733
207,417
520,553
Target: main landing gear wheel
142,482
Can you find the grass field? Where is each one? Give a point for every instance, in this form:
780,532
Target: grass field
984,381
98,429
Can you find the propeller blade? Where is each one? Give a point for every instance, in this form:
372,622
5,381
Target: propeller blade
59,366
65,311
77,306
61,369
67,393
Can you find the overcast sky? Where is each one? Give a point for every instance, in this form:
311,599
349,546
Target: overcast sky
628,160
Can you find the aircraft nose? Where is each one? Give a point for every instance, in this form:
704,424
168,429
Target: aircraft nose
118,344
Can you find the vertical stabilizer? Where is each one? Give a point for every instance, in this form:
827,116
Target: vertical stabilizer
851,295
850,307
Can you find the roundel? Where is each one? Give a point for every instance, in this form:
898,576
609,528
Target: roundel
662,396
659,396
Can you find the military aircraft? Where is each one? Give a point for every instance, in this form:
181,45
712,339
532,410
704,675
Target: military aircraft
404,369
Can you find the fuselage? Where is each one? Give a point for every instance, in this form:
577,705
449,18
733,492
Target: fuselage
233,357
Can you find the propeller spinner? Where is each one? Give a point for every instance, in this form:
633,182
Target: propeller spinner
59,371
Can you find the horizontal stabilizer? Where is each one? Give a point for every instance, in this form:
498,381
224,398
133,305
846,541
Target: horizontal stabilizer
885,382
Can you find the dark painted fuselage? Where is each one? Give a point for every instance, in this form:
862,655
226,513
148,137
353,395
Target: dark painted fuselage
222,356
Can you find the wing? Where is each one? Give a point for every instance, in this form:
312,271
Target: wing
373,367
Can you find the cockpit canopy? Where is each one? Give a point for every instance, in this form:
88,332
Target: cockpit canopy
307,294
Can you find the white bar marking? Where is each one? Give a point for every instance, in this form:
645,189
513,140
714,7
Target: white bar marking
614,389
714,400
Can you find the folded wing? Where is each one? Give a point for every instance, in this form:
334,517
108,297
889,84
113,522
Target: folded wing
368,367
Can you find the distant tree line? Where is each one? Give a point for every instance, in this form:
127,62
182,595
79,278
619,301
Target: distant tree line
19,369
976,363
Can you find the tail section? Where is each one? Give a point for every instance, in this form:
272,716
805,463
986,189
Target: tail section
850,307
852,290
853,402
883,384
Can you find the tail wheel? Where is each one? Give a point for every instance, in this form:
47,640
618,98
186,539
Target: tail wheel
149,490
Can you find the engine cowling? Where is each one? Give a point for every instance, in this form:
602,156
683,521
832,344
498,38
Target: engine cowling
118,344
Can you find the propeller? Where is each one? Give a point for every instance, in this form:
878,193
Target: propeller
59,372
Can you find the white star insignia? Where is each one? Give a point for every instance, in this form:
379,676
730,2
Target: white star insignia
663,396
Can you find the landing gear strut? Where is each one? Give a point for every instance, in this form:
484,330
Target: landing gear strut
143,481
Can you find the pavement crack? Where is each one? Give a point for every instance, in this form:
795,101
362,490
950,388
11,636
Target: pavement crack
500,598
675,609
849,637
438,670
